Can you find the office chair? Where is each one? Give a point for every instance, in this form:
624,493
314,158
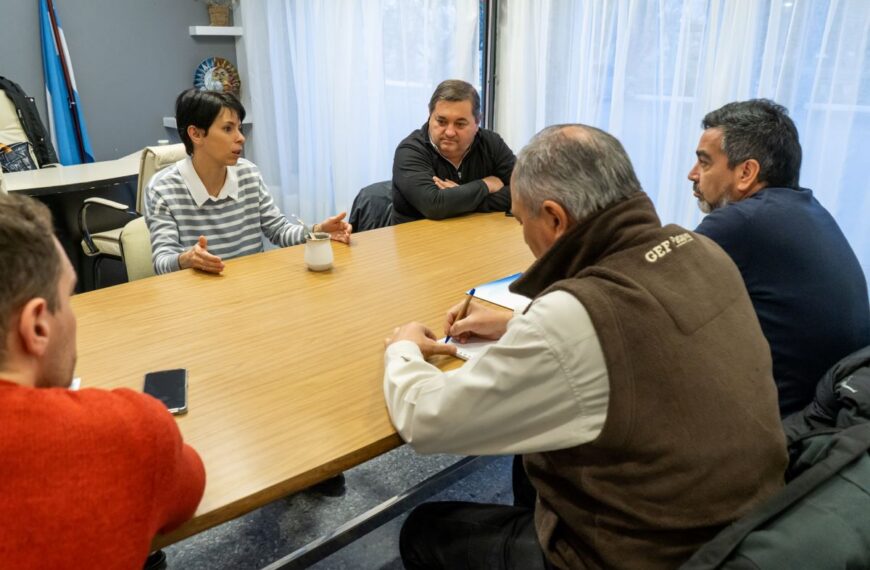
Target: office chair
128,236
136,249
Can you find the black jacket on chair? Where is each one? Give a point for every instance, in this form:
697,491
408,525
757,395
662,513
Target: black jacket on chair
842,398
819,519
31,123
373,207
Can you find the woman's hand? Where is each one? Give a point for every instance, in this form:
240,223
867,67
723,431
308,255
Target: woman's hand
336,227
198,257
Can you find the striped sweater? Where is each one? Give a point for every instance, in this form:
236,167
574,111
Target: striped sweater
178,210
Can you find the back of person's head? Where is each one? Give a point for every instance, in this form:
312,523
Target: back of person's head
30,264
200,108
455,90
582,168
762,130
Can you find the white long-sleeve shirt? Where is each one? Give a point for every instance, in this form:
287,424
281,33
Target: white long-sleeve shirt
542,386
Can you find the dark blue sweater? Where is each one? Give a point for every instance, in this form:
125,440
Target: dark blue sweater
804,280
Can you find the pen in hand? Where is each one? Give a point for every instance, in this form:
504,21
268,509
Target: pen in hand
462,311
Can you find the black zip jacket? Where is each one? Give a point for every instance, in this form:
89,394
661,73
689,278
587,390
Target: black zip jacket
415,195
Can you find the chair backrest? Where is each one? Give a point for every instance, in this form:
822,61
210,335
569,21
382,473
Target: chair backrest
154,159
136,249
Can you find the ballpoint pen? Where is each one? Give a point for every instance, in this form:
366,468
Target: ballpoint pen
462,311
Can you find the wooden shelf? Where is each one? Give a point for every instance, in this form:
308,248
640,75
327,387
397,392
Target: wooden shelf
216,31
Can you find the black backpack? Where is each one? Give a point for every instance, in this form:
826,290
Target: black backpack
17,154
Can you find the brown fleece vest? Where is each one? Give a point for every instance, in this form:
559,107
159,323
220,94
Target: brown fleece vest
692,439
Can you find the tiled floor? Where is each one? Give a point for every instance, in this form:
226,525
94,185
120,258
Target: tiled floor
267,534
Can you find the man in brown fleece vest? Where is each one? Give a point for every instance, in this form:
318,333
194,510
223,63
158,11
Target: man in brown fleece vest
637,384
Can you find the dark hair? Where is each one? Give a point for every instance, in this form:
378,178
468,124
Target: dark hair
200,109
29,259
456,90
762,130
580,167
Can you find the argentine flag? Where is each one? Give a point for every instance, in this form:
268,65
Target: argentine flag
65,118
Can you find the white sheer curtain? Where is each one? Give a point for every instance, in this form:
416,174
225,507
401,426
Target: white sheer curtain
648,70
333,87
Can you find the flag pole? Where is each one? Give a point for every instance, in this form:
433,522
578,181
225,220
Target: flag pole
71,97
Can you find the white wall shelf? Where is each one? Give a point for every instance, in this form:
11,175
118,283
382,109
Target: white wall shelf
235,31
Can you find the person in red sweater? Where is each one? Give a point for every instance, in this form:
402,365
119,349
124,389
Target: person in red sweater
87,478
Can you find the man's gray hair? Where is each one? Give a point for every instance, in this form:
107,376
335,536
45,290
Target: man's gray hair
579,167
455,90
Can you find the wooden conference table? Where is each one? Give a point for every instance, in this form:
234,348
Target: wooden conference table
286,365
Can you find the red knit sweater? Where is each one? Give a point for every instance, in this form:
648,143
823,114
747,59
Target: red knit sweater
88,478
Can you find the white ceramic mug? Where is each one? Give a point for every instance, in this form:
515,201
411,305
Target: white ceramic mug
318,252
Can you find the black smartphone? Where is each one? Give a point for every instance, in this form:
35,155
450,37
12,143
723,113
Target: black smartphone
170,387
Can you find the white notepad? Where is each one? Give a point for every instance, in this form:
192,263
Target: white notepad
470,349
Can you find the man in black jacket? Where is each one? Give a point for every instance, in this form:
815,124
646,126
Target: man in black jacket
450,166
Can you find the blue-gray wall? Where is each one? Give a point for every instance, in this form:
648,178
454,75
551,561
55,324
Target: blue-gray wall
131,58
